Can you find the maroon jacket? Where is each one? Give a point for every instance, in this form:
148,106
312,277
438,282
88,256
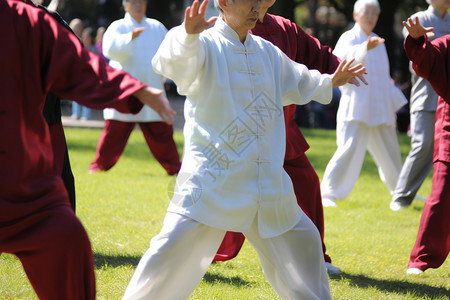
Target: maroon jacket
38,55
431,60
302,48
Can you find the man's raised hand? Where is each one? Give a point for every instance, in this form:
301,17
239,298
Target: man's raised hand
156,99
194,18
345,73
136,32
416,30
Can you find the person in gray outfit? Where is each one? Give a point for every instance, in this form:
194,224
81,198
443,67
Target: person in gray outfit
423,103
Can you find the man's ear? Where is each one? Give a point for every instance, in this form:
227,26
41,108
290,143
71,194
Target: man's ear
223,4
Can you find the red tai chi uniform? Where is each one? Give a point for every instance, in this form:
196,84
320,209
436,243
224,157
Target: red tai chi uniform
302,48
431,60
37,223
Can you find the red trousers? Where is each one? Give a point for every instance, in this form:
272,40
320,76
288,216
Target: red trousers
159,138
433,239
307,190
55,252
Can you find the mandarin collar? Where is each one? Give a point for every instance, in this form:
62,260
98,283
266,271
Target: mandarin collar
360,31
434,11
227,31
130,19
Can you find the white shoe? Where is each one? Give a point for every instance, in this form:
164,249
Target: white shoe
332,270
395,206
414,271
328,202
420,198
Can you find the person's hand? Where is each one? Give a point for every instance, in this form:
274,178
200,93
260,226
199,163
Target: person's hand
155,98
136,32
373,42
194,18
416,30
345,73
356,81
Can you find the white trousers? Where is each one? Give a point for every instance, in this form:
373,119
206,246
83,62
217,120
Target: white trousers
353,139
181,253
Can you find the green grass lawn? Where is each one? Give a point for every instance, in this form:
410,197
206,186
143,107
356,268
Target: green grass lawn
124,207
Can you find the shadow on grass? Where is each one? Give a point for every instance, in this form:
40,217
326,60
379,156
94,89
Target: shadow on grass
401,287
234,281
113,261
101,260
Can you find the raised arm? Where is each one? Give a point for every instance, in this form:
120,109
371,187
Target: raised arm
194,18
345,73
155,98
181,55
416,30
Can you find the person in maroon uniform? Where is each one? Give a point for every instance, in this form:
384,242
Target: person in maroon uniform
52,114
431,60
302,48
37,223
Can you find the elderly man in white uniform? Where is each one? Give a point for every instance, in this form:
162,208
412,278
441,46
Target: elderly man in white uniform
130,44
232,175
366,115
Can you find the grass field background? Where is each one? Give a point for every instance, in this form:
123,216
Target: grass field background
123,208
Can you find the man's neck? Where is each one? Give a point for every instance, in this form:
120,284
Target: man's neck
137,18
441,10
261,17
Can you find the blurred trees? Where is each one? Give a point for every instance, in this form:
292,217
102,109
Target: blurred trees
389,23
170,11
326,19
103,12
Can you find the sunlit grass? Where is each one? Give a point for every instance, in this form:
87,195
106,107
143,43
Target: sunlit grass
124,207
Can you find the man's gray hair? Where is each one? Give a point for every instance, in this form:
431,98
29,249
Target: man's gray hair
361,4
216,5
125,1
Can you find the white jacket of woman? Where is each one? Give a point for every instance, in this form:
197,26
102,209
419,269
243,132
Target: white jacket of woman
135,57
378,102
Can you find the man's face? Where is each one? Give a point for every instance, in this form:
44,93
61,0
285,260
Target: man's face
136,8
241,15
367,18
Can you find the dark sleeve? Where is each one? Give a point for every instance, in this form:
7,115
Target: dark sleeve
313,54
73,73
431,61
59,19
52,109
52,106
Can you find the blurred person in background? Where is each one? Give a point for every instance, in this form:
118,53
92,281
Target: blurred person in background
78,111
130,44
99,41
366,117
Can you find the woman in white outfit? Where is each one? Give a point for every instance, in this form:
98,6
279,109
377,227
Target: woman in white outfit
366,116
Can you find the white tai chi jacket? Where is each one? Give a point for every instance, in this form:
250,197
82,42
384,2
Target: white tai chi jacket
378,102
234,145
135,57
